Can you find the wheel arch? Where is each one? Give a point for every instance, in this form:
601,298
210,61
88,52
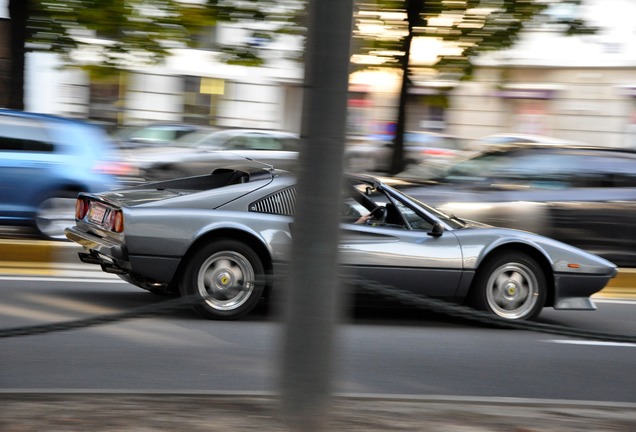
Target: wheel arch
247,238
541,259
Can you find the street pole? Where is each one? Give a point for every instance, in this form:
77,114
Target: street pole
313,304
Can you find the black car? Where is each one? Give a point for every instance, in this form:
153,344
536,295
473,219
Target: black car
581,195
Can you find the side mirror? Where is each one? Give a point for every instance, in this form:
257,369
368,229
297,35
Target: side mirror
437,230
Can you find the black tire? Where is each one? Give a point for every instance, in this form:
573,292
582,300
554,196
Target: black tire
511,286
225,272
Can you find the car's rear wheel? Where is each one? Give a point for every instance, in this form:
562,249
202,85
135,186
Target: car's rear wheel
54,214
511,286
224,276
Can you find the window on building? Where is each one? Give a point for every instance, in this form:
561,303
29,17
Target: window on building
426,112
201,99
105,103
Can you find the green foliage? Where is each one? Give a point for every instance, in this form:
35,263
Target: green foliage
111,35
266,19
107,36
470,27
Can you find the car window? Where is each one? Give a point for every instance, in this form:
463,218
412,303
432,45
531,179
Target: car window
516,167
263,142
202,139
558,168
24,135
289,143
240,142
613,170
414,220
363,198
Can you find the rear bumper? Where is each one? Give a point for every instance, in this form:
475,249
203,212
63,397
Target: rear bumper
105,253
113,258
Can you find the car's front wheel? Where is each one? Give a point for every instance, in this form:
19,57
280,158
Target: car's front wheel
224,274
511,286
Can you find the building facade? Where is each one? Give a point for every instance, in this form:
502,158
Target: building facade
577,88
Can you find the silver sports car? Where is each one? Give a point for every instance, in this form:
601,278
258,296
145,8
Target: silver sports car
224,236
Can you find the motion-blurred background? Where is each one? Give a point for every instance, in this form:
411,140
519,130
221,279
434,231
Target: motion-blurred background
546,88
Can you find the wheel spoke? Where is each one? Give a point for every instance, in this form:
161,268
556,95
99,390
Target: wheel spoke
499,296
222,263
518,278
208,275
238,274
501,280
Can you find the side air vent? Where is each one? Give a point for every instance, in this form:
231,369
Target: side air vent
282,203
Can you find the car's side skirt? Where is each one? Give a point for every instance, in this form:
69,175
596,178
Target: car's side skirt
432,282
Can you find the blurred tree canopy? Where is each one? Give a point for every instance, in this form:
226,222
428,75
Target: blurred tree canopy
114,35
385,31
107,37
264,19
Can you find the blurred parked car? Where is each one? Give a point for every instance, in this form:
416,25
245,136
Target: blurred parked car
375,156
45,161
518,138
201,152
156,134
581,195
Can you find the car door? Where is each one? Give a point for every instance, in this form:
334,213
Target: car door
27,162
403,255
597,214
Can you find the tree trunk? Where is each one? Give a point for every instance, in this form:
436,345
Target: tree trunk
19,14
414,9
314,295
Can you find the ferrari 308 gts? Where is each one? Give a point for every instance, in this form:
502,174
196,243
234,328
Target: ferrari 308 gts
223,237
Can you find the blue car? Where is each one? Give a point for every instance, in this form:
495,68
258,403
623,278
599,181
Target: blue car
45,161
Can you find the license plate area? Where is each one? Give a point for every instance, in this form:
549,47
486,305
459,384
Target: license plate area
97,213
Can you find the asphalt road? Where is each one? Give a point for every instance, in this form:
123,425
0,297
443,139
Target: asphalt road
403,352
404,370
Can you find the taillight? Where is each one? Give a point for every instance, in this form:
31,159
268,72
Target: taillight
81,208
116,221
116,168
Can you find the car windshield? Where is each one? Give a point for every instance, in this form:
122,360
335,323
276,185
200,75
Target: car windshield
403,211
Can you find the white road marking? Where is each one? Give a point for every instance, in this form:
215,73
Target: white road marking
615,301
62,279
590,342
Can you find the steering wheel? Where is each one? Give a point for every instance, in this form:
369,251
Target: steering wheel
378,215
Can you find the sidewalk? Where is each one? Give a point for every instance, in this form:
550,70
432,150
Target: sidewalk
52,412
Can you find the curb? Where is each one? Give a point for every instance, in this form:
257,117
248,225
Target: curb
103,412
